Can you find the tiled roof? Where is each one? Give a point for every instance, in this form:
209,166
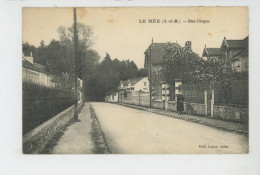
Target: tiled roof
133,81
157,51
31,66
237,43
212,52
243,53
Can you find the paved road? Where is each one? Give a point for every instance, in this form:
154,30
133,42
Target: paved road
129,130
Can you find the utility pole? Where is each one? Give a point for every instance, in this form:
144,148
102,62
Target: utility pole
83,78
150,72
75,66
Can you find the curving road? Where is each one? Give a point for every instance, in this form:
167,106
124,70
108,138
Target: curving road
129,130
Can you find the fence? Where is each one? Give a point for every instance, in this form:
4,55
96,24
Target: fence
40,103
194,93
231,93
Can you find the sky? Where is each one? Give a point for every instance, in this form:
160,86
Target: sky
118,31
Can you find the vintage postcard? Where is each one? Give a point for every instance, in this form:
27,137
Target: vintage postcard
135,80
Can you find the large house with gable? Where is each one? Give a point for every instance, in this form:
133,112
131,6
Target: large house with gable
153,64
234,52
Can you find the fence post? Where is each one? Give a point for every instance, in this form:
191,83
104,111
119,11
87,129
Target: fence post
212,102
139,98
206,102
176,103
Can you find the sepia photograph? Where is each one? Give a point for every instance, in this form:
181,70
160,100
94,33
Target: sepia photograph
135,80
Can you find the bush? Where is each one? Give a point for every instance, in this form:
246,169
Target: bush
41,103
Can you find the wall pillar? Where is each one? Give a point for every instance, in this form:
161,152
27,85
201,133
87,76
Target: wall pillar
212,102
206,102
178,83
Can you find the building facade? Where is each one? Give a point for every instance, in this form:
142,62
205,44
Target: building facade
35,73
153,64
135,85
233,52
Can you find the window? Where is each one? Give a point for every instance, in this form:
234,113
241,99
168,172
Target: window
132,88
144,83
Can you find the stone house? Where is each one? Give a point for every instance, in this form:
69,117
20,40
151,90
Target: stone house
35,72
153,64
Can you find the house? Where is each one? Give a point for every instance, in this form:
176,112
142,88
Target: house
153,64
210,53
135,85
112,97
234,52
239,62
35,72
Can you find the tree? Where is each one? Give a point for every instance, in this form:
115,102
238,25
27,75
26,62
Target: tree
142,73
28,49
180,63
84,42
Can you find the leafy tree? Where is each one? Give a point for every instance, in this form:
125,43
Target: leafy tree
180,63
84,42
142,73
28,49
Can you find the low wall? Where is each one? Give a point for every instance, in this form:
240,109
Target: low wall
172,106
157,104
194,108
144,100
231,113
36,140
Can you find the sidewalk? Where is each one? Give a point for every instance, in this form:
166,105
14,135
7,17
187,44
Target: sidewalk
240,128
83,137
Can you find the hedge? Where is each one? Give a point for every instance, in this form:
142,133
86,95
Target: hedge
41,103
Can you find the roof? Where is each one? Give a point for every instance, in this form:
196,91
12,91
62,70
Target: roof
34,67
39,66
132,81
236,43
157,51
212,52
243,53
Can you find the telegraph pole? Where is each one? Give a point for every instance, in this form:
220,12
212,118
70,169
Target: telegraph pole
75,65
83,78
150,72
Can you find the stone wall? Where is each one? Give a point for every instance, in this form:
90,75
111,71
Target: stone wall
172,106
157,104
194,108
36,140
231,113
143,101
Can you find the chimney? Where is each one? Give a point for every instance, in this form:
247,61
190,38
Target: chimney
188,44
29,58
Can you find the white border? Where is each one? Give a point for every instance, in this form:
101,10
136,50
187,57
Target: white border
12,161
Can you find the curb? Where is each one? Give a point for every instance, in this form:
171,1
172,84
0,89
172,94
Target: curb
98,136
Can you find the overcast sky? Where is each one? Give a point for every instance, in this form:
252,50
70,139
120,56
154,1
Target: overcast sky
118,31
